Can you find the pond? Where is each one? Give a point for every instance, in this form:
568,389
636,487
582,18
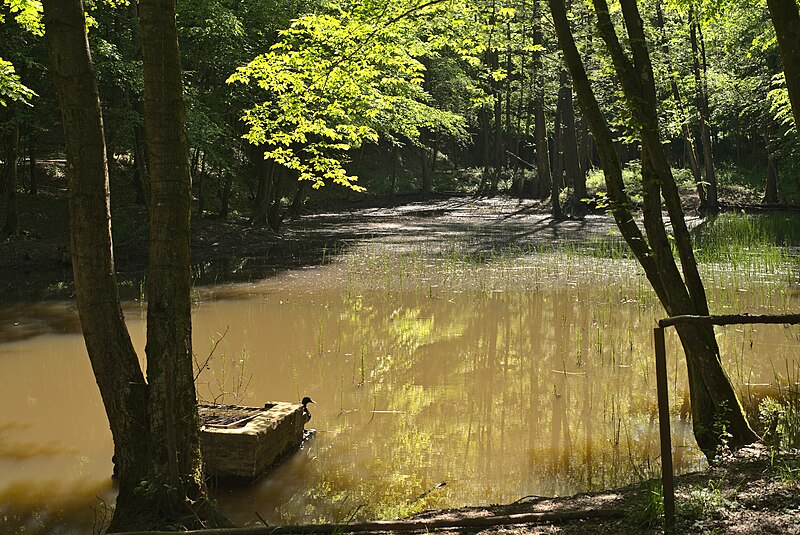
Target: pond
503,375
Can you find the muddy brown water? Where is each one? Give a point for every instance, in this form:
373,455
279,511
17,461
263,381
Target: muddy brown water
514,376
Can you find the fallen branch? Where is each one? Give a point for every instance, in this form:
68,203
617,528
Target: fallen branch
732,319
423,524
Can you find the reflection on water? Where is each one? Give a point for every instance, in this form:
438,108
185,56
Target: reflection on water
506,379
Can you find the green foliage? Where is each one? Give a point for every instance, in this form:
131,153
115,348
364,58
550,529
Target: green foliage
11,86
27,13
752,242
781,422
710,501
649,509
337,80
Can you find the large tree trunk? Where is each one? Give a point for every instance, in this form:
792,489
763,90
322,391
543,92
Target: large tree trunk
714,402
114,361
786,19
175,461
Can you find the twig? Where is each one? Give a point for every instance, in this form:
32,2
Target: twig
208,359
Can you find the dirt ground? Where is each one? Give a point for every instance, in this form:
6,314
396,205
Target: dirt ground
751,492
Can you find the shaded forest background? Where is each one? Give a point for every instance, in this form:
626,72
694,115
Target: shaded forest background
390,98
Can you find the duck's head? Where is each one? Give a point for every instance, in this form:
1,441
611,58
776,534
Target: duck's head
306,400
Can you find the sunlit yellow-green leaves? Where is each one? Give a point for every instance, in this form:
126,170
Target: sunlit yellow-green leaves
10,85
335,81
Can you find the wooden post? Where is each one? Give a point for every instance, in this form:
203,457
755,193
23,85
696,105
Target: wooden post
667,475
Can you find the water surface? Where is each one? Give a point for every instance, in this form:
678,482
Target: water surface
515,375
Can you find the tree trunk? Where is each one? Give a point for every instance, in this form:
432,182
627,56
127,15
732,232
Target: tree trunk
786,19
224,204
688,139
569,140
557,159
114,361
701,94
297,200
499,142
427,179
771,186
264,171
34,189
545,180
201,198
714,402
176,467
141,173
393,179
11,225
771,190
485,154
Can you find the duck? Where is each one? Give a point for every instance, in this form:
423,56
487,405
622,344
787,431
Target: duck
305,401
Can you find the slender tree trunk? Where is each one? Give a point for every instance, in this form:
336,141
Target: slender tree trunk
297,200
175,460
224,205
485,154
786,19
427,180
274,213
771,190
569,140
34,189
688,139
557,160
714,402
701,92
264,171
11,225
539,121
393,179
499,142
114,361
771,187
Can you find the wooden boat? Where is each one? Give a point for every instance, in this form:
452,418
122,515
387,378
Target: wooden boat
246,442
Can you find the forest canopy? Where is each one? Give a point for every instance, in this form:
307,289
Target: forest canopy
412,95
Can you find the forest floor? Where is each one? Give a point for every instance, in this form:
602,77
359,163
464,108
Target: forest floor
754,491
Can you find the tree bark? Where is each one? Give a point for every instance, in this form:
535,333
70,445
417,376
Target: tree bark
701,95
569,140
11,225
771,188
34,189
545,180
688,139
714,402
426,188
175,461
557,160
786,19
113,358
